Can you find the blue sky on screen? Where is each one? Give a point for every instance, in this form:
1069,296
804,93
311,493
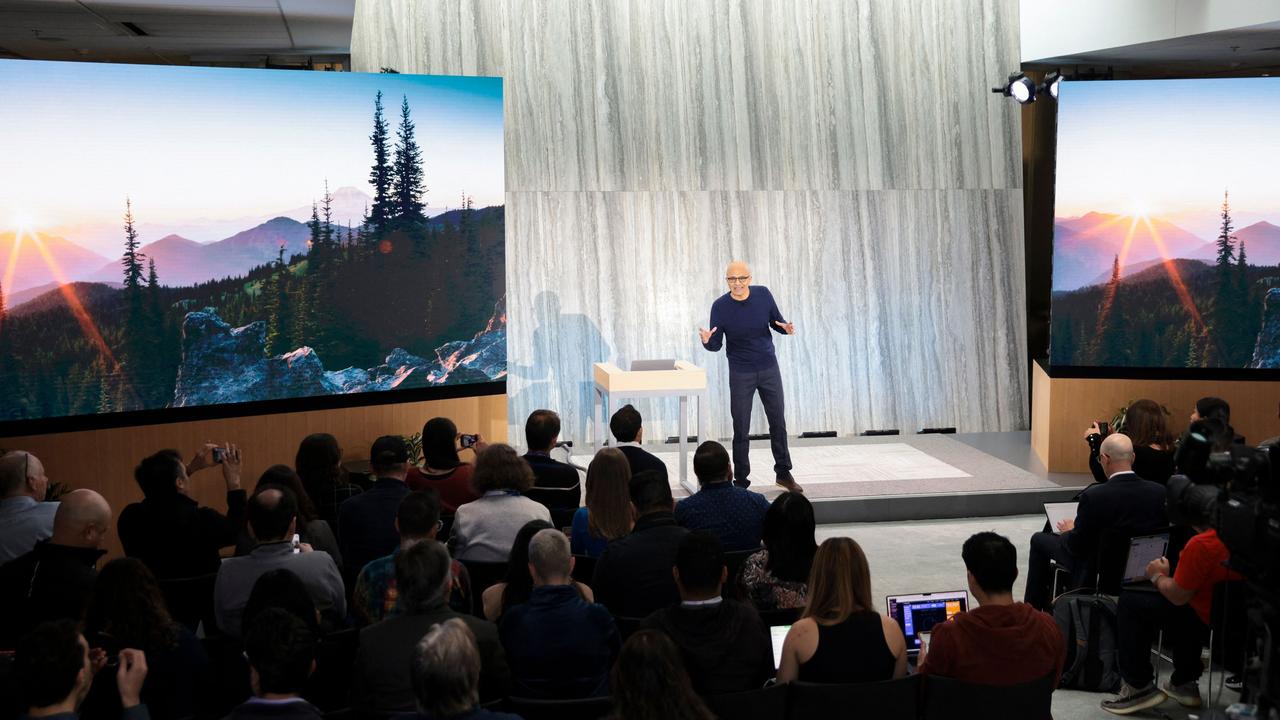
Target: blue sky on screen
1168,148
188,144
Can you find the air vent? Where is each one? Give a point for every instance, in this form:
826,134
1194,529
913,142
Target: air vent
134,29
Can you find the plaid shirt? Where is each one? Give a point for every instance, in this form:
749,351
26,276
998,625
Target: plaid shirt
376,597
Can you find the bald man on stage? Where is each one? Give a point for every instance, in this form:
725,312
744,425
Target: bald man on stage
742,319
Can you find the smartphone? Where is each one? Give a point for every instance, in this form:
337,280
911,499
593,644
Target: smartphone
297,540
219,454
924,641
1104,429
468,440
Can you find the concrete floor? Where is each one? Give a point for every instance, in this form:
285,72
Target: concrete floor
924,556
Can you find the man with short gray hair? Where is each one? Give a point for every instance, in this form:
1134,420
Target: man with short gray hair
446,674
25,518
559,645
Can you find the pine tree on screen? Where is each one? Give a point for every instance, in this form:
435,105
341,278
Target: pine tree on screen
406,181
380,174
132,260
274,291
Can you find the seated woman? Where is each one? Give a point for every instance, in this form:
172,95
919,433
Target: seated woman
607,515
840,638
1147,427
319,465
442,469
776,576
311,528
484,529
518,584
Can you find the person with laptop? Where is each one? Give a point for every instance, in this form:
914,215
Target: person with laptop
1125,503
1000,642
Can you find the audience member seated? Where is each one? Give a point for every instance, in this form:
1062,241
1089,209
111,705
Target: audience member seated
273,520
25,518
281,651
381,678
126,610
649,682
284,590
518,583
319,465
725,646
775,576
558,645
1216,412
446,675
733,514
1126,503
556,485
312,530
484,529
375,595
442,469
169,531
840,638
1000,642
55,669
607,515
367,522
54,580
627,428
633,577
1180,609
1153,443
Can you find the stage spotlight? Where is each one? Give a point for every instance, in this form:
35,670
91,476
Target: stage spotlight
1019,87
1051,83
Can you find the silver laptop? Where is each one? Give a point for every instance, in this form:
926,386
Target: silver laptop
663,364
918,613
1059,511
1142,550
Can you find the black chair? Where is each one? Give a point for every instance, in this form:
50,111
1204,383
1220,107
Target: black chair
190,600
769,703
446,527
881,700
329,686
584,566
733,561
9,691
783,616
483,576
230,671
585,709
627,626
562,517
951,699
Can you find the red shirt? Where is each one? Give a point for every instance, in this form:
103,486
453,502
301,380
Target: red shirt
1200,567
996,645
454,487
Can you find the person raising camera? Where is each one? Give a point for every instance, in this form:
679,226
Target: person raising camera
1147,427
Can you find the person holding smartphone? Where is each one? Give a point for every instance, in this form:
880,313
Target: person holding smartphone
442,467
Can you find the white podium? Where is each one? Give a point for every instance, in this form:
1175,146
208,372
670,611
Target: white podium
687,380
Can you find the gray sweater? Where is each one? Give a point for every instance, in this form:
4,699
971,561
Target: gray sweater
484,529
237,576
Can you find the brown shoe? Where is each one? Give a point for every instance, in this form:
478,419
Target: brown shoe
785,480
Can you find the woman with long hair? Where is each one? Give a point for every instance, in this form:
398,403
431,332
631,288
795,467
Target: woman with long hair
127,610
442,469
1146,424
518,584
319,465
776,577
840,638
607,515
649,682
312,529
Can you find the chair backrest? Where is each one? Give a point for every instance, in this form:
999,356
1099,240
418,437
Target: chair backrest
734,560
882,700
627,626
585,709
951,699
768,703
190,600
484,575
329,687
783,616
584,566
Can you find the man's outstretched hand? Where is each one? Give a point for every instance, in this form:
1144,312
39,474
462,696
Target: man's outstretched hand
706,334
788,328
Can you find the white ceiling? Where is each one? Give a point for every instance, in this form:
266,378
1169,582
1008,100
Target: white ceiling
1243,49
174,31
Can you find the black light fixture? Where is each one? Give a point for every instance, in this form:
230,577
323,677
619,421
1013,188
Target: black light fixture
1019,87
1051,83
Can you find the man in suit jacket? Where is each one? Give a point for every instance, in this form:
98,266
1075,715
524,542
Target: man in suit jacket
556,485
382,678
367,522
627,430
633,577
1125,503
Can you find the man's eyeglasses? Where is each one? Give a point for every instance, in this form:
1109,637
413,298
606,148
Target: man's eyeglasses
738,280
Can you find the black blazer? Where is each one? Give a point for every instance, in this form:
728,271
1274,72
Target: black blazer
557,485
1126,503
641,460
633,576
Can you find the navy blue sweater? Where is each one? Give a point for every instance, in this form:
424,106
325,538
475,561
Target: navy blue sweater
746,324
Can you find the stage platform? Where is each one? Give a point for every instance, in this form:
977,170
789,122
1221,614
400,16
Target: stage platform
910,477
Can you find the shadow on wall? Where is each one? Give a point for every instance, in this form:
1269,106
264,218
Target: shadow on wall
558,374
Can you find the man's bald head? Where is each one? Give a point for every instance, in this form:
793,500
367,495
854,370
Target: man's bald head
738,268
22,473
272,512
82,519
1116,453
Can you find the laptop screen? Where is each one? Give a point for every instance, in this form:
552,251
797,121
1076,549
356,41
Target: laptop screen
919,613
1059,511
778,633
1142,550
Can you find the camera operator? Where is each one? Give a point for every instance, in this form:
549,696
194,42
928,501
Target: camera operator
1214,415
1153,443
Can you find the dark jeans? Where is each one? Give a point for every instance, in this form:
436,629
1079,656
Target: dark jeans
1045,546
742,390
1139,616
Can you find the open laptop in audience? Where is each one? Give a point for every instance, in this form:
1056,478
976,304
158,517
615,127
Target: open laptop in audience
1142,550
1056,512
918,613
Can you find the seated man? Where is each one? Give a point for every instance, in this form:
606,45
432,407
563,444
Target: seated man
55,670
559,646
281,651
381,678
273,520
1181,609
726,647
735,515
629,433
54,580
446,675
25,518
169,531
556,485
1000,642
367,522
633,576
1125,503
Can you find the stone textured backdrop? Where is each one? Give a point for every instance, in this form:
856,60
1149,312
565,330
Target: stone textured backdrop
848,149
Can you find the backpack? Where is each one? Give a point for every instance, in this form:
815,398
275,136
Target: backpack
1088,625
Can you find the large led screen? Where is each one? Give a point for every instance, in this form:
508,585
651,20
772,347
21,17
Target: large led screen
1166,240
195,237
